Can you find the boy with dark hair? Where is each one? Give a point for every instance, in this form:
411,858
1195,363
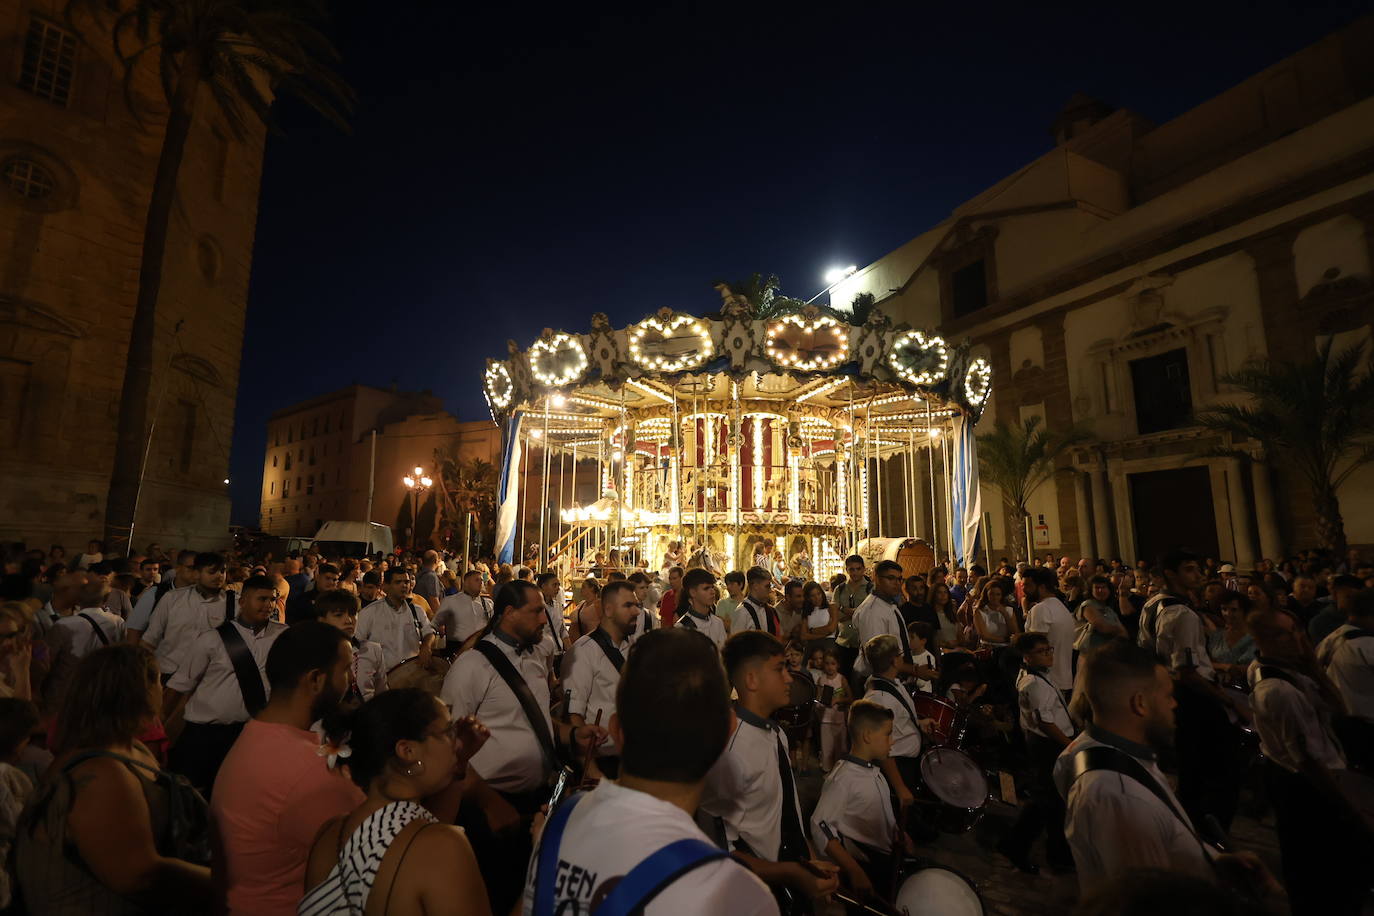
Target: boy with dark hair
755,612
884,655
854,824
751,790
367,674
672,721
734,594
700,596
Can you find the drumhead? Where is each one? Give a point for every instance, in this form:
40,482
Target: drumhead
938,891
802,690
954,777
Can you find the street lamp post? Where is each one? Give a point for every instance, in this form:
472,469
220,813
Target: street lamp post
417,484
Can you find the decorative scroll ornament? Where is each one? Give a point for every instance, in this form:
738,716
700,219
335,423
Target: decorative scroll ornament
670,343
498,386
978,382
807,343
919,359
558,359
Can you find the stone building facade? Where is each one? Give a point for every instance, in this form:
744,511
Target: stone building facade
323,458
1116,279
76,174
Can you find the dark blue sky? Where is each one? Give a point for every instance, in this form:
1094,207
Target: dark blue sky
520,168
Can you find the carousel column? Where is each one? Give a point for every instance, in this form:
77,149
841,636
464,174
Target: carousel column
733,444
1087,547
1271,543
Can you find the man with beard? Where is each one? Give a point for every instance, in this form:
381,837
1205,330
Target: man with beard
275,791
1122,814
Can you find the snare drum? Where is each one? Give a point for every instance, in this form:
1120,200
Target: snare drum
410,673
1242,700
955,780
945,714
938,891
797,714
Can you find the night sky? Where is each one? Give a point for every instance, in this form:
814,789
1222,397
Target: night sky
529,168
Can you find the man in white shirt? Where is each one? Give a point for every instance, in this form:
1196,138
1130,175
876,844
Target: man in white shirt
508,779
394,621
751,788
672,722
596,662
463,615
219,697
1324,867
91,626
184,613
878,615
755,612
1047,614
1349,659
699,589
183,576
1048,729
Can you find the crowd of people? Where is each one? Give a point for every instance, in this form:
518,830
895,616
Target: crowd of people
196,732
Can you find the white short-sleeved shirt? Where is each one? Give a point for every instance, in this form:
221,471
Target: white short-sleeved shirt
709,626
1054,620
742,620
1290,717
1114,824
394,629
369,668
744,788
923,659
461,615
205,673
1181,640
645,621
875,617
1035,694
1351,669
512,759
83,638
591,683
906,733
1327,647
182,615
856,804
613,829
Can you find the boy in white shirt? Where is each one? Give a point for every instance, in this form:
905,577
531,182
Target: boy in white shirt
854,824
921,657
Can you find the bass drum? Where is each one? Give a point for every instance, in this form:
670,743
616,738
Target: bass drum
410,673
796,715
958,784
938,891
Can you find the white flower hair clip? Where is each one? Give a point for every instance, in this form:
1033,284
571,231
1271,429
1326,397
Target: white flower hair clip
332,751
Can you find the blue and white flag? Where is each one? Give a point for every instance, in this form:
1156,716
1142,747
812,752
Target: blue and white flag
508,492
966,500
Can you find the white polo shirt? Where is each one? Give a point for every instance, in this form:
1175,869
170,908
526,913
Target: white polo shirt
1289,717
1114,824
1054,620
394,629
906,733
1036,695
612,830
1181,640
591,683
744,788
1351,669
205,673
369,669
83,638
182,615
462,615
709,626
856,804
511,760
876,616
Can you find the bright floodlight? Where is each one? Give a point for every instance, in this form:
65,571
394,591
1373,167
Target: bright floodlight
226,480
836,274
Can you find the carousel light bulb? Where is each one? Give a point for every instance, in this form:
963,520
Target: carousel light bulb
536,434
558,400
934,432
617,455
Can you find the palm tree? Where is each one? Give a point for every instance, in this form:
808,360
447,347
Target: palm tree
466,487
1017,460
240,53
1316,415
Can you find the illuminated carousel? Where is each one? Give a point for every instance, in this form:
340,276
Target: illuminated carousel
733,436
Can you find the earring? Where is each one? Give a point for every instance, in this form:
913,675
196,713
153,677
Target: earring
419,764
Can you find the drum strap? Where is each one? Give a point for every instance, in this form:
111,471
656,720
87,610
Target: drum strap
892,689
631,893
99,633
524,695
245,668
603,639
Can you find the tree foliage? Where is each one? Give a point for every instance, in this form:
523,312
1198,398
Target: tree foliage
1018,459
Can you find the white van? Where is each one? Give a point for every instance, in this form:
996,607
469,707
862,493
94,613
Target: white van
352,540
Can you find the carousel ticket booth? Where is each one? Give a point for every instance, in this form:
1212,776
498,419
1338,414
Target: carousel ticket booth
735,441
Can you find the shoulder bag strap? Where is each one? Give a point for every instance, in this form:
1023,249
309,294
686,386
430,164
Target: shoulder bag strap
546,864
650,877
603,639
1356,633
99,633
892,690
245,668
524,695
